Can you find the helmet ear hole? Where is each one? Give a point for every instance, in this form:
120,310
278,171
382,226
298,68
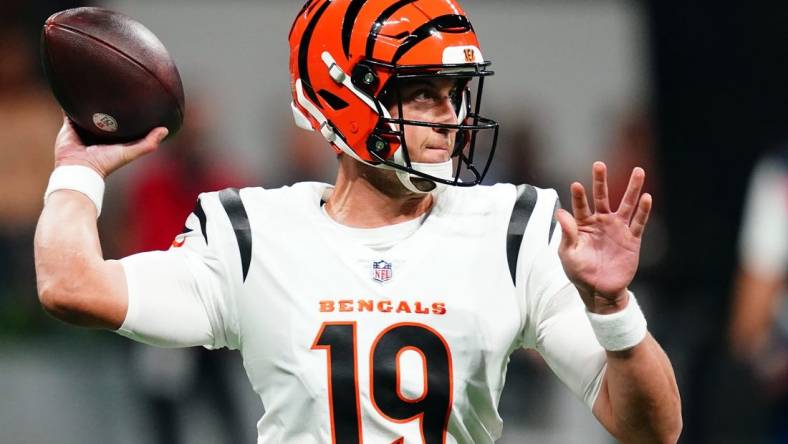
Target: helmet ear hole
365,79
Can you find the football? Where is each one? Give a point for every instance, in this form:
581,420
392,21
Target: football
111,75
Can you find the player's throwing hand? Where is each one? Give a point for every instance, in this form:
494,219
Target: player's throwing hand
600,249
104,159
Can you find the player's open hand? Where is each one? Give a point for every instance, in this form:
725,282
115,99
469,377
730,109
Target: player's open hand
69,150
600,249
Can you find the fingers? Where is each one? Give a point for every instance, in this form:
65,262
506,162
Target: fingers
580,207
601,201
67,135
641,216
631,196
568,228
144,146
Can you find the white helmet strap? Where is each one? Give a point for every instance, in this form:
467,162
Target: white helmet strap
442,170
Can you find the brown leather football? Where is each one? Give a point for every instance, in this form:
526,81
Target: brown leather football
112,76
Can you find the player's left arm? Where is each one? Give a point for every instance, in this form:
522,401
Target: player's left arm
638,401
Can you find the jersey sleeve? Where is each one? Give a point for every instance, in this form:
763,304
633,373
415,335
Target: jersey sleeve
184,296
555,323
763,243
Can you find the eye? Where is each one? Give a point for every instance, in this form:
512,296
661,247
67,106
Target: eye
454,95
423,94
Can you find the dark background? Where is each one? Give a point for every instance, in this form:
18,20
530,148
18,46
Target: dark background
721,100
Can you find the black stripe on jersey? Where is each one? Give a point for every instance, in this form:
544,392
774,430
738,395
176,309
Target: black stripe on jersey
554,221
347,24
200,213
234,206
521,213
385,15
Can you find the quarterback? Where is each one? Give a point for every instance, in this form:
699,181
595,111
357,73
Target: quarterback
382,308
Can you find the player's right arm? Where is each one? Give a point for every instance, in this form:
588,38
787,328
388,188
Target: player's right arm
75,283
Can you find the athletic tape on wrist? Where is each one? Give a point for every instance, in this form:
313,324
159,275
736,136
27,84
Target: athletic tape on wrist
77,178
622,330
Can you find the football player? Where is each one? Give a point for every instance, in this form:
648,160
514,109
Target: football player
382,308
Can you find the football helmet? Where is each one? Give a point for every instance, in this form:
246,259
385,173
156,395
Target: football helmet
348,59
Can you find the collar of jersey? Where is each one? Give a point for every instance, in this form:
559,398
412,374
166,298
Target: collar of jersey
380,238
401,248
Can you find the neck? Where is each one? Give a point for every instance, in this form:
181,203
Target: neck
368,197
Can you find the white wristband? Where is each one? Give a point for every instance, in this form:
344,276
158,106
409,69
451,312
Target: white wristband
622,330
77,178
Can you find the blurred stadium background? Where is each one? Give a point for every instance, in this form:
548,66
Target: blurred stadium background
694,91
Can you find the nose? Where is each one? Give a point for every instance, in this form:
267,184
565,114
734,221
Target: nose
445,114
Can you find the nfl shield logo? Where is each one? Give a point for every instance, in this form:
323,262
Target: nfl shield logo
381,271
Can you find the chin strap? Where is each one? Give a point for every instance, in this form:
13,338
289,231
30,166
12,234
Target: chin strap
442,170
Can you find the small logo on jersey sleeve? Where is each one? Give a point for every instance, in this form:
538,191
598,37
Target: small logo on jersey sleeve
179,240
381,271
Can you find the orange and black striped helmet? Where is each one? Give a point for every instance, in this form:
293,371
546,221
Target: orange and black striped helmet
346,55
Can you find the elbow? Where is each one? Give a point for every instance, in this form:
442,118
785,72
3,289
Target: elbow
667,434
56,283
671,427
668,429
82,296
673,432
670,436
663,428
675,424
66,296
57,299
76,288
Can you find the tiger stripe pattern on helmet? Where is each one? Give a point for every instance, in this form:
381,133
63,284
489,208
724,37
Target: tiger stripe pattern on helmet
345,53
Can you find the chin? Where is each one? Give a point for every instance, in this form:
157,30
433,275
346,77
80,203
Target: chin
433,158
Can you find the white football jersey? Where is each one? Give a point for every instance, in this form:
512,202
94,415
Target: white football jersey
349,344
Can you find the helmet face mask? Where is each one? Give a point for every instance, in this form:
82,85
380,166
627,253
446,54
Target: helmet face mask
349,62
391,130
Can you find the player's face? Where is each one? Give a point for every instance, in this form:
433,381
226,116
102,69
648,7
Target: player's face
429,100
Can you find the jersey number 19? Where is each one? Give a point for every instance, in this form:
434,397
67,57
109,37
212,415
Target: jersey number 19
432,408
